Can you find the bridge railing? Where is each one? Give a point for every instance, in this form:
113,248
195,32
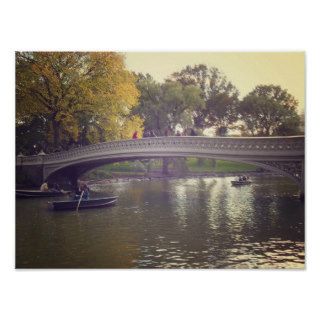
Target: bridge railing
278,145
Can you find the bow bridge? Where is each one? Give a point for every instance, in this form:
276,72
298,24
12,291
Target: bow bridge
284,155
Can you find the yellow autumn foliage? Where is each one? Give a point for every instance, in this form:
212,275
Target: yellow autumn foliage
84,97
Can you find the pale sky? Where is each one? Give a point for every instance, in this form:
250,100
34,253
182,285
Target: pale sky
244,69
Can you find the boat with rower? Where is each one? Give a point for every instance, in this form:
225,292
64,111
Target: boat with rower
240,183
84,204
40,194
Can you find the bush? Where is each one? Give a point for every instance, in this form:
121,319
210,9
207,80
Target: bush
97,174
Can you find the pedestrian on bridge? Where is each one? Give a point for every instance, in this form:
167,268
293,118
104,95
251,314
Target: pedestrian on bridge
152,134
146,134
193,133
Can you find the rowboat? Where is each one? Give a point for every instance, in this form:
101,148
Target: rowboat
240,183
40,194
84,204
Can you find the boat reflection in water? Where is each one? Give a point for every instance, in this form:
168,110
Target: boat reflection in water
241,181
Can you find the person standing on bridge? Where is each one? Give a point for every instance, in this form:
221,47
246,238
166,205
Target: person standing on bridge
152,134
193,133
146,134
135,135
168,132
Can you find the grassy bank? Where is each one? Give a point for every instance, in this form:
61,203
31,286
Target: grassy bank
140,168
219,166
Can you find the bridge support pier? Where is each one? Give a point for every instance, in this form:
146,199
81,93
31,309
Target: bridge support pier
165,166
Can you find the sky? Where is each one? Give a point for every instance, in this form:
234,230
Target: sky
244,69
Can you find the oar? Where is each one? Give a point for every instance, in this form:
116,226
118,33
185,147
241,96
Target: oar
80,200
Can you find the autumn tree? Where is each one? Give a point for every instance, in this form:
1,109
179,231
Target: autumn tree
220,96
269,110
82,97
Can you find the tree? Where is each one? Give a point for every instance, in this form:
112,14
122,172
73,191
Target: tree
149,107
179,102
269,110
83,97
302,123
31,135
131,124
220,95
166,105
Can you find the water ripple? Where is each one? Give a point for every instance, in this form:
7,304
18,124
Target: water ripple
184,223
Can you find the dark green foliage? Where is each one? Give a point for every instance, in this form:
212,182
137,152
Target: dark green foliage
220,95
164,106
269,110
31,135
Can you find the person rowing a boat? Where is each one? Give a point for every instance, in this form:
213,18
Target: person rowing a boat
83,189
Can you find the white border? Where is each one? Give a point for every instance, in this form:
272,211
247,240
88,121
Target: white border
152,26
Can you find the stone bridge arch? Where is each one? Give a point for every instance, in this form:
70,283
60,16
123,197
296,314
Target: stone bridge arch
284,155
290,169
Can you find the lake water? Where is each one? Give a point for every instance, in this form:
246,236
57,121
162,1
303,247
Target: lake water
169,223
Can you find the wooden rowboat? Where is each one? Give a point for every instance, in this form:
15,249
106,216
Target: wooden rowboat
240,183
84,204
40,194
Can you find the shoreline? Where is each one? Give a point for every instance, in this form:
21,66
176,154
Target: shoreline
158,176
126,178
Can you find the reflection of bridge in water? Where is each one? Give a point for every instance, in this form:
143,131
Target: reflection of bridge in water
284,155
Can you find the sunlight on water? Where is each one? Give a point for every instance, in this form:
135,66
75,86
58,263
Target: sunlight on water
169,223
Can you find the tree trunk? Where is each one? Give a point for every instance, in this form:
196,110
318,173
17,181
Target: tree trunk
56,133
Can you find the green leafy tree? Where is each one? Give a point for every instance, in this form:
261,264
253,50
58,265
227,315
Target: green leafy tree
31,135
269,110
220,96
164,106
180,102
302,123
149,107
